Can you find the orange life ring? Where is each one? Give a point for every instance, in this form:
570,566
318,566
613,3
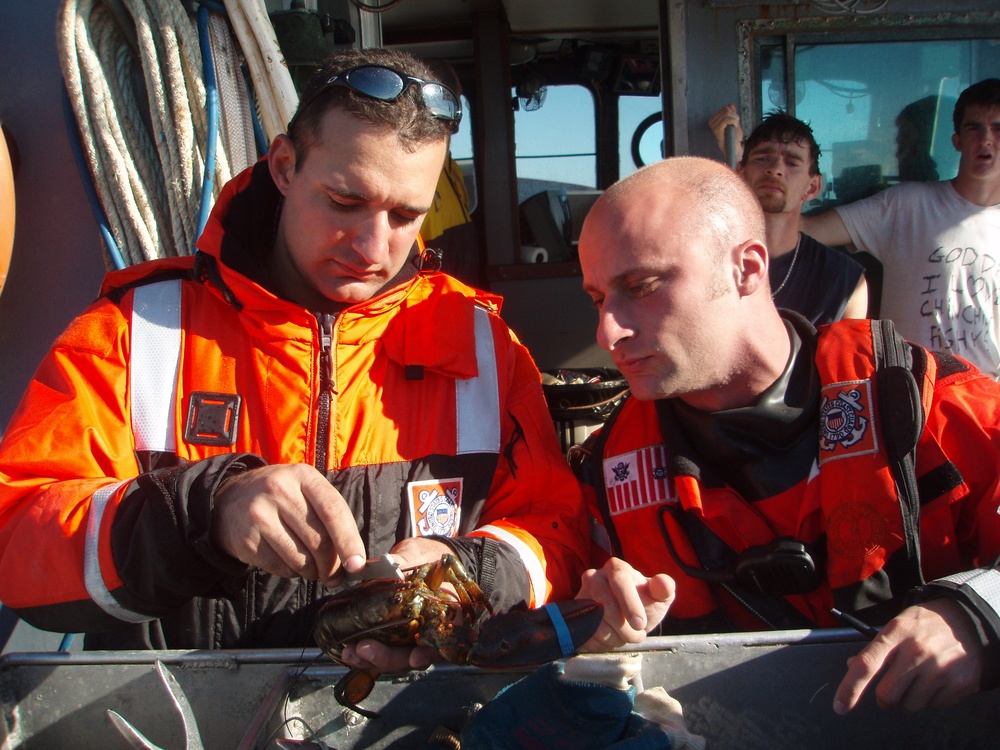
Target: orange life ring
6,210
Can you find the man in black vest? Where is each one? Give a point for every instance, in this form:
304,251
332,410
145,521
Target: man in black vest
780,163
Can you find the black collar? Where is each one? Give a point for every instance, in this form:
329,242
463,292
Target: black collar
762,449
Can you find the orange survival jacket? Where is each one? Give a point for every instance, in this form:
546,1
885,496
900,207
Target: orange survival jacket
420,406
847,508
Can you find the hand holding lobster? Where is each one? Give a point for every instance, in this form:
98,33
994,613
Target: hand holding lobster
416,611
374,656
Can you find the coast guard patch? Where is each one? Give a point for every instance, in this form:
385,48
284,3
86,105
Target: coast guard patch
846,421
637,479
435,506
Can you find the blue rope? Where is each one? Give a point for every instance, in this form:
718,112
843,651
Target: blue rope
95,204
208,181
260,138
191,6
213,6
258,130
562,630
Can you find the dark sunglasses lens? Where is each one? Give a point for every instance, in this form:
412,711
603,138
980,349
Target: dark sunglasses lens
378,83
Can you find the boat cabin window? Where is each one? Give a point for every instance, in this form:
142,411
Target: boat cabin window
555,146
641,132
555,137
461,151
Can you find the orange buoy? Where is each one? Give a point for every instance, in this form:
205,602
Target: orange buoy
6,210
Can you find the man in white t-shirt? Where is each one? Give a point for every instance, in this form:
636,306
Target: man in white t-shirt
939,242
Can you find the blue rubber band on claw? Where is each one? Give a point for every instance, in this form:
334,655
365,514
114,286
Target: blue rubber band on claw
562,630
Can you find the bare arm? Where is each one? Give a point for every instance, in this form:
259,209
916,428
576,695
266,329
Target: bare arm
827,228
718,122
857,305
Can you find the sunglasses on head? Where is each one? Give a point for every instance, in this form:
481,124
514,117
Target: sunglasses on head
387,85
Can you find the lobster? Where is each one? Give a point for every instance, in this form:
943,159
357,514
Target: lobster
416,611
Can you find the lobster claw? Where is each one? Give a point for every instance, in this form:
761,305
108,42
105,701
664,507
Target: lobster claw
354,687
526,637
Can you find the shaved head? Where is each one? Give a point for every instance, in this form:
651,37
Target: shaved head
675,261
718,195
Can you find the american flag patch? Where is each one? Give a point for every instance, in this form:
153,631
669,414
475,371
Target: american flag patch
637,479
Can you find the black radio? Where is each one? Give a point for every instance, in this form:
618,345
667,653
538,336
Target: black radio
781,567
784,566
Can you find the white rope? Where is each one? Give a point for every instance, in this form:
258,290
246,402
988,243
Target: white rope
89,87
276,95
171,114
142,118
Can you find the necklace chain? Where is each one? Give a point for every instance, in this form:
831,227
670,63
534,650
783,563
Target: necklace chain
788,273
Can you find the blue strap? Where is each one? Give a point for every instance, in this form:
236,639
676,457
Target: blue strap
562,630
212,110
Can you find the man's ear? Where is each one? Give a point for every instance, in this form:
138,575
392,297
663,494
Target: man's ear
752,260
281,162
815,186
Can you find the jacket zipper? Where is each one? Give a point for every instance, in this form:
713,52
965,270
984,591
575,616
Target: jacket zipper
326,388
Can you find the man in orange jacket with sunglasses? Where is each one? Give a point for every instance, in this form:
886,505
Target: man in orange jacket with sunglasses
219,438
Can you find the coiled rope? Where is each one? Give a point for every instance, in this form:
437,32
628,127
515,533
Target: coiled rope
276,95
136,80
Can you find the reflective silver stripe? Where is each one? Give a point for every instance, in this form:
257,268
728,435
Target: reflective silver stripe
91,562
156,348
984,581
536,574
153,365
477,400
